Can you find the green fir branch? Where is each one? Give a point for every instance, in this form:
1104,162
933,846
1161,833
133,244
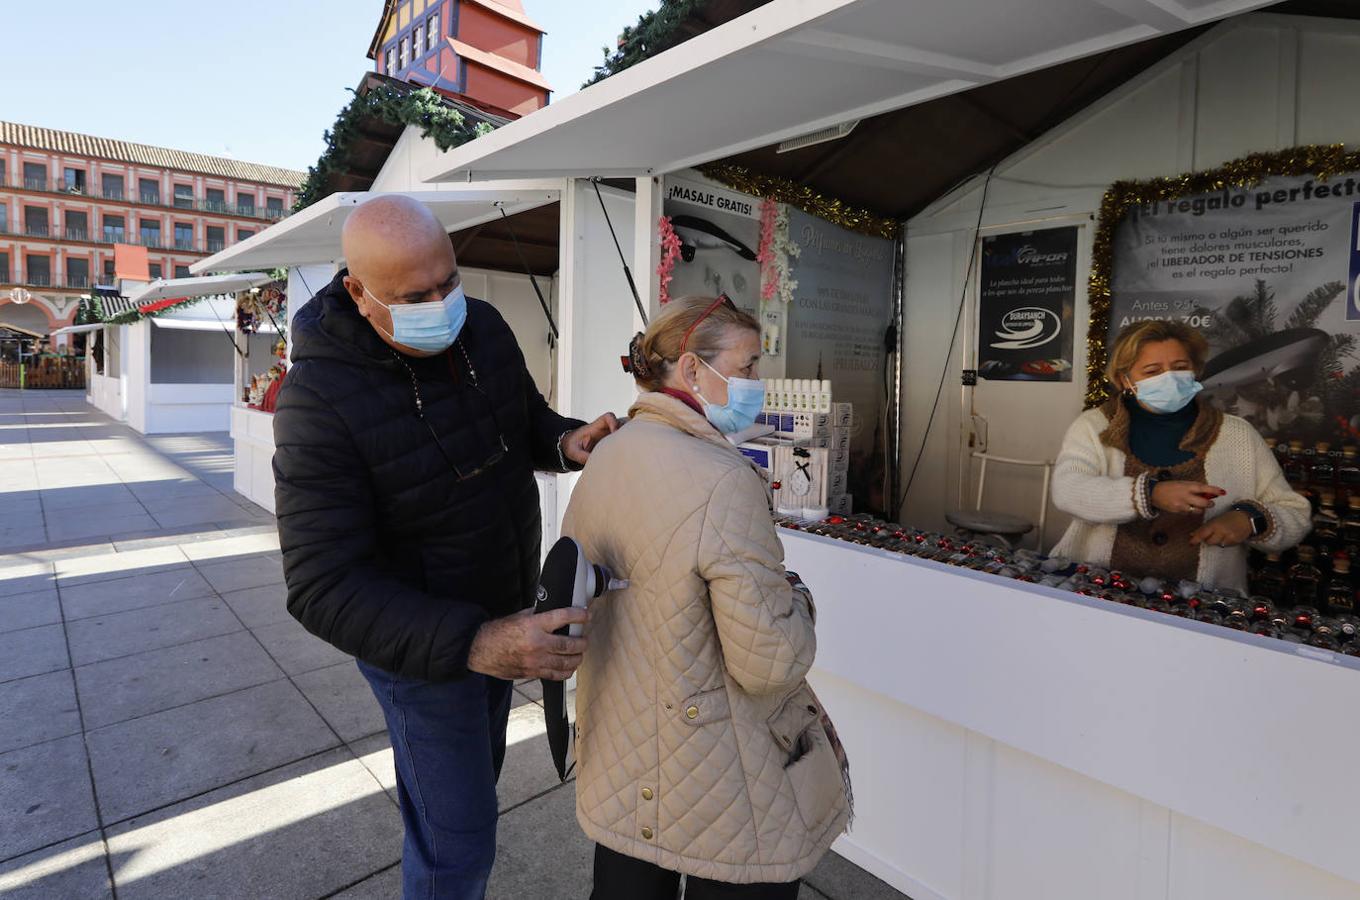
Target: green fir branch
1306,314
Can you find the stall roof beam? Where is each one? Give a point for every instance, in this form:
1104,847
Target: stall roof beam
792,67
203,286
312,236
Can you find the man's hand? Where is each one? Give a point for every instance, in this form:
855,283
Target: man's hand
577,445
524,646
1228,530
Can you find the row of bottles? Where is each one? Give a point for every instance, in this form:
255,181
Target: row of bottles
1319,469
1304,583
795,395
1298,603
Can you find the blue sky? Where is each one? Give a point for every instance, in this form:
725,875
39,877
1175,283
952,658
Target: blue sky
258,80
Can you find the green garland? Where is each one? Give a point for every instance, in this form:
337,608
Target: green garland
421,107
135,315
655,32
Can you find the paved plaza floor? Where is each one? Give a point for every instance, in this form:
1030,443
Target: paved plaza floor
169,731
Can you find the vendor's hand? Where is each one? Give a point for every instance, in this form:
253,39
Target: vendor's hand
577,445
524,646
1184,496
1228,530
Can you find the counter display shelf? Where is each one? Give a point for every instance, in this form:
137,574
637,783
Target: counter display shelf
252,430
1009,739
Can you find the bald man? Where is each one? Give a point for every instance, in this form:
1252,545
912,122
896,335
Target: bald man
407,434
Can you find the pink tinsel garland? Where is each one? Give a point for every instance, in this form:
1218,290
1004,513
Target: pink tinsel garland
670,252
769,275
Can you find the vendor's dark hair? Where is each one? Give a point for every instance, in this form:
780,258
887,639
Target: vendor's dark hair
1132,338
652,354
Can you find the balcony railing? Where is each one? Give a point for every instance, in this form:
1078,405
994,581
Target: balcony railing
46,232
122,196
72,281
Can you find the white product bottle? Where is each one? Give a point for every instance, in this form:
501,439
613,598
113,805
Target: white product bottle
824,398
809,402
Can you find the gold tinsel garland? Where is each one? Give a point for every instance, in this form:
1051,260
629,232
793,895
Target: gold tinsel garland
805,198
1318,160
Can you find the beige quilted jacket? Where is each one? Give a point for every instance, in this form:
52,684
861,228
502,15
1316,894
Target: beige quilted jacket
699,745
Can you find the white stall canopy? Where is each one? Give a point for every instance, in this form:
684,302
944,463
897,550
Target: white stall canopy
792,68
78,329
204,286
211,314
313,235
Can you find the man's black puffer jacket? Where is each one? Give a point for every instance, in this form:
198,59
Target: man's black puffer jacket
388,554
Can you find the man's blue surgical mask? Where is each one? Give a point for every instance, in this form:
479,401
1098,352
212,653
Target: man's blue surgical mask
1168,392
745,400
429,327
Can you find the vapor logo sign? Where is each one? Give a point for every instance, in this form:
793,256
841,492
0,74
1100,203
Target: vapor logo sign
1027,328
1353,307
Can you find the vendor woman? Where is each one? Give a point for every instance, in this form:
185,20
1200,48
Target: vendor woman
1167,485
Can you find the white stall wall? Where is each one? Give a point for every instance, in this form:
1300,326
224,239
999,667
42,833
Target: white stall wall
513,296
1257,83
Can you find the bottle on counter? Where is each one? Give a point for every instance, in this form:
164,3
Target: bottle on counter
1340,593
1326,535
1305,579
1295,465
1350,524
1269,579
1348,469
1324,466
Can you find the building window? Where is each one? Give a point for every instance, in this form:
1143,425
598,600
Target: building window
77,273
35,221
405,51
73,180
151,233
184,236
150,191
4,216
245,204
77,225
432,30
217,238
4,268
115,229
391,60
243,233
112,186
154,269
181,271
217,200
35,176
184,196
274,207
2,170
108,270
418,38
38,270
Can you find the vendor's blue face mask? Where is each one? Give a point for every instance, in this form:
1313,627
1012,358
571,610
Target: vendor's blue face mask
745,400
1168,392
429,327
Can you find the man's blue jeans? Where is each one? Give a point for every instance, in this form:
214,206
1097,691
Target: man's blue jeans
448,743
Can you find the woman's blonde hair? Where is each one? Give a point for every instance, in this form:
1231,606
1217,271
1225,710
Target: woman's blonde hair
654,353
1133,338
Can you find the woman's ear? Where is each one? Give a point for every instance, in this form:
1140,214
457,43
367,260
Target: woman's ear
688,365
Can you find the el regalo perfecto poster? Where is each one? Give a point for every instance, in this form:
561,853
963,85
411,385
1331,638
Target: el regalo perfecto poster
1271,276
1026,297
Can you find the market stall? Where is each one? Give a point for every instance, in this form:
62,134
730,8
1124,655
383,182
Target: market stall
1011,737
308,245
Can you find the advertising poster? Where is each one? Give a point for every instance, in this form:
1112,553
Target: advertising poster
719,233
1026,298
1271,276
837,321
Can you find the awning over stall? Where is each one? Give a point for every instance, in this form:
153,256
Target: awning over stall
188,288
313,235
797,67
79,329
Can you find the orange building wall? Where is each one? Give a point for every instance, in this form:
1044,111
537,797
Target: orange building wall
489,86
485,30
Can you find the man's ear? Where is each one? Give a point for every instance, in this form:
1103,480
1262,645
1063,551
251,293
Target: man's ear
356,293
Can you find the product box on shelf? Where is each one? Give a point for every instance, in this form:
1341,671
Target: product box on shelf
840,439
841,504
843,415
760,452
838,460
801,473
837,482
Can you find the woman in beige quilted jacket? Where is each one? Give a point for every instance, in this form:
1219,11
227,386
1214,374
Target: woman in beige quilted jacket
700,748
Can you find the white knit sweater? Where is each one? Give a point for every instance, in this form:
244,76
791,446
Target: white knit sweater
1089,483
